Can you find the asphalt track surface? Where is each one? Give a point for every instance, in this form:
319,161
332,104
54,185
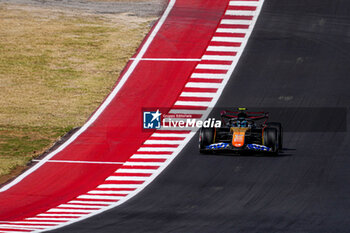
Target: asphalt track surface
298,56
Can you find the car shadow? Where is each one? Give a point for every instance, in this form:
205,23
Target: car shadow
285,152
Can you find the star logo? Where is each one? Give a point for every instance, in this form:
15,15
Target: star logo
155,115
151,120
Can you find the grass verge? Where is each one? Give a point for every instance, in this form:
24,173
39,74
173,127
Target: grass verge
55,69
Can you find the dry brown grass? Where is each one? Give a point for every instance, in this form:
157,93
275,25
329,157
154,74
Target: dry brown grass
55,68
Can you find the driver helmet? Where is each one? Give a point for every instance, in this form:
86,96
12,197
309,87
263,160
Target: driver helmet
241,117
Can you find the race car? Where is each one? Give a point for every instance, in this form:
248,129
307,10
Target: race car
242,131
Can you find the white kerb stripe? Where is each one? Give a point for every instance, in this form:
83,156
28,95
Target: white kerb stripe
169,134
228,39
102,186
73,215
99,197
48,219
218,57
137,170
139,156
34,222
213,67
232,30
203,85
192,103
109,192
243,3
235,21
20,227
166,149
197,94
222,49
207,75
144,163
187,111
80,206
245,13
127,178
175,142
90,202
69,210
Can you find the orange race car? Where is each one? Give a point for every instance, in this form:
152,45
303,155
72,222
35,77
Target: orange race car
242,131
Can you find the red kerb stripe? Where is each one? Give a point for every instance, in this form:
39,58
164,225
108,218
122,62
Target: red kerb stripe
170,138
195,89
210,71
234,26
204,80
215,62
213,53
132,174
242,8
232,44
228,34
160,145
238,17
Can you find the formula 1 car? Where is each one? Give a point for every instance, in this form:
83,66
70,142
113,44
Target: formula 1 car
242,131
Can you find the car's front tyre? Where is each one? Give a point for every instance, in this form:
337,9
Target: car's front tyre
206,137
270,139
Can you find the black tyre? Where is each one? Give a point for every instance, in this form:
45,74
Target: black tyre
206,137
278,127
270,139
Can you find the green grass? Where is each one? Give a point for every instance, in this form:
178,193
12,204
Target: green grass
55,69
18,145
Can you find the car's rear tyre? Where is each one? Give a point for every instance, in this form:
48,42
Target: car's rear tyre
278,127
206,137
270,139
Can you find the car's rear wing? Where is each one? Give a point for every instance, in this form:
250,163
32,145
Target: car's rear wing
232,115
